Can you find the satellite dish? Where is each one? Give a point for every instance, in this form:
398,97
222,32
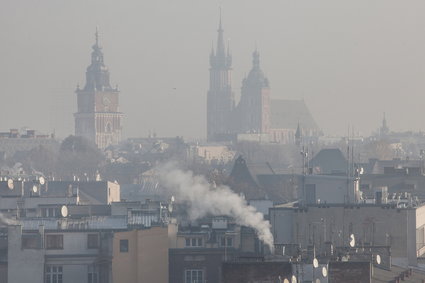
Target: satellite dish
352,241
172,199
324,272
315,263
41,180
293,279
378,259
285,280
64,211
344,258
10,184
34,189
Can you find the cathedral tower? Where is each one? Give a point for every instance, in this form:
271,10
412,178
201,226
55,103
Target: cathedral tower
98,117
254,106
220,97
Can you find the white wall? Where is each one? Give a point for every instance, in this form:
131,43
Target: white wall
24,265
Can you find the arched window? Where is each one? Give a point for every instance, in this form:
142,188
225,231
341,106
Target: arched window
108,127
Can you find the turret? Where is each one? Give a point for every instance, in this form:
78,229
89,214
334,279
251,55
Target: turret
97,74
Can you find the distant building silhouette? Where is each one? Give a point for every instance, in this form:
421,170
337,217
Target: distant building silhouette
220,97
98,117
253,109
256,115
384,130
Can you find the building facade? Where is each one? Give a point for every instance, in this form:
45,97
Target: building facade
198,251
98,118
333,224
140,255
256,117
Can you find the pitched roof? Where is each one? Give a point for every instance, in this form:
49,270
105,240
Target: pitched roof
241,180
329,160
285,114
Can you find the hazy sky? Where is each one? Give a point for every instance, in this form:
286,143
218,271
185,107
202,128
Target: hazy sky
349,60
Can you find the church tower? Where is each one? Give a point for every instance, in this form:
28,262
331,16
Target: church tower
220,97
98,118
384,130
254,106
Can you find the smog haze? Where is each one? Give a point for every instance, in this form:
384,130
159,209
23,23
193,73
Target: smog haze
350,61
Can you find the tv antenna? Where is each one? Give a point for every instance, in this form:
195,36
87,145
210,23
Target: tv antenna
352,241
378,259
10,184
315,263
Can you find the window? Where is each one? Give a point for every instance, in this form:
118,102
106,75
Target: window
108,128
124,246
92,241
92,274
49,212
194,276
226,242
194,242
31,241
54,242
54,274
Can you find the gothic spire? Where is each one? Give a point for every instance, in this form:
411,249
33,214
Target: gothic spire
220,40
221,58
298,134
384,130
256,59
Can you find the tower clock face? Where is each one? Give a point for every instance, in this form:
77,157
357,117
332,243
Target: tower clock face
106,101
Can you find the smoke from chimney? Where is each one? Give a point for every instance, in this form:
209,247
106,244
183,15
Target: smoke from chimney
203,199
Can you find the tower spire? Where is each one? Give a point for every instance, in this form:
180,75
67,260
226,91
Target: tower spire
96,34
220,39
256,59
298,134
219,26
384,130
220,97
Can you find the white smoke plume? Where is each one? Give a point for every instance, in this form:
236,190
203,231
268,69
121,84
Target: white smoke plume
203,199
7,221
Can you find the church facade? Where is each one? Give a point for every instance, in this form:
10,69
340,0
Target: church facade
98,118
256,114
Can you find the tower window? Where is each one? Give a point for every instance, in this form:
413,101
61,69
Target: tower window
108,128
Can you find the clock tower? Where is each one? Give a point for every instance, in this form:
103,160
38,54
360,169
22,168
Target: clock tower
98,118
